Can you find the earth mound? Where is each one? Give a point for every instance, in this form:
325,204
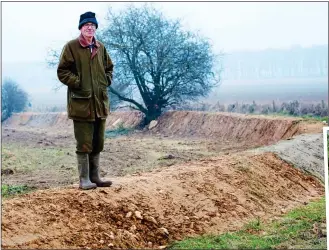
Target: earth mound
260,130
153,209
60,120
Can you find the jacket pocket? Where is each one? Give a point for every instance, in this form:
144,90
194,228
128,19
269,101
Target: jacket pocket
106,102
80,103
103,80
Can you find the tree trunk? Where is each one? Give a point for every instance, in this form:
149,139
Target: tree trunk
153,112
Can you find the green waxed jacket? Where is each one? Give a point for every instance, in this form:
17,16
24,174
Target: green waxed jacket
87,76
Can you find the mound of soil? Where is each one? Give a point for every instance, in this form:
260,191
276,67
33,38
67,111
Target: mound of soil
258,130
262,130
60,120
151,210
38,120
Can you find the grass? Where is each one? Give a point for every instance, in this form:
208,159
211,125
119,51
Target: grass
28,159
294,230
118,131
306,117
316,118
13,190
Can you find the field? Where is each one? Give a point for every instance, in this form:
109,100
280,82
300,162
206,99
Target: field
194,174
266,91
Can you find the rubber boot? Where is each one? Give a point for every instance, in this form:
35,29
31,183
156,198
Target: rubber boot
94,171
83,166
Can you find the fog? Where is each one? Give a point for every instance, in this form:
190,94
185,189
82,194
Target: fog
250,34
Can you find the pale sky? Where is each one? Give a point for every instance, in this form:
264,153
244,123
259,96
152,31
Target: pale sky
30,29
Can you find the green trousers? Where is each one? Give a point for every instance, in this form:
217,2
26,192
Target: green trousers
89,136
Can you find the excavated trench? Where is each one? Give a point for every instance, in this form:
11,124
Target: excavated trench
151,210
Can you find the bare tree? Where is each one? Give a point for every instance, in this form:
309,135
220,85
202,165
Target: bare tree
156,63
14,99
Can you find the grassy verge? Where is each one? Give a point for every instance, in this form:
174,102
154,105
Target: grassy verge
299,229
306,117
13,190
317,118
27,159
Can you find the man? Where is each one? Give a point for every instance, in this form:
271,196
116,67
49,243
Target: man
86,69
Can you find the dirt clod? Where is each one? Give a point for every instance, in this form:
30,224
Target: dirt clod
164,231
152,124
7,171
150,219
167,157
138,215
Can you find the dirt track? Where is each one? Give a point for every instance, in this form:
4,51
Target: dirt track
209,184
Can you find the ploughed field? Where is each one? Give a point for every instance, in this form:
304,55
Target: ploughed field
188,174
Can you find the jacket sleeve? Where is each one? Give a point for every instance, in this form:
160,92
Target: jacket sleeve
64,69
108,67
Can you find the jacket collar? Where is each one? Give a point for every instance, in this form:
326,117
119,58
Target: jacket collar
83,42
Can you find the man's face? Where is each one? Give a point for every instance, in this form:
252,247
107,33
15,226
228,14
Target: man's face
88,29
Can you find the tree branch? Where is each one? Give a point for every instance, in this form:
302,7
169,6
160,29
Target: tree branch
140,107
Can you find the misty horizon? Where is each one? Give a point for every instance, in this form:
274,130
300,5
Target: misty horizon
265,30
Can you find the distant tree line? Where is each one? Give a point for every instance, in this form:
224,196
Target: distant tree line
293,108
277,63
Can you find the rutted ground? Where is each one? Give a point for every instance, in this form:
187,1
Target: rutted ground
201,182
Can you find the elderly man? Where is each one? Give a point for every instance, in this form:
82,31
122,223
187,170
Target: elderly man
86,69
